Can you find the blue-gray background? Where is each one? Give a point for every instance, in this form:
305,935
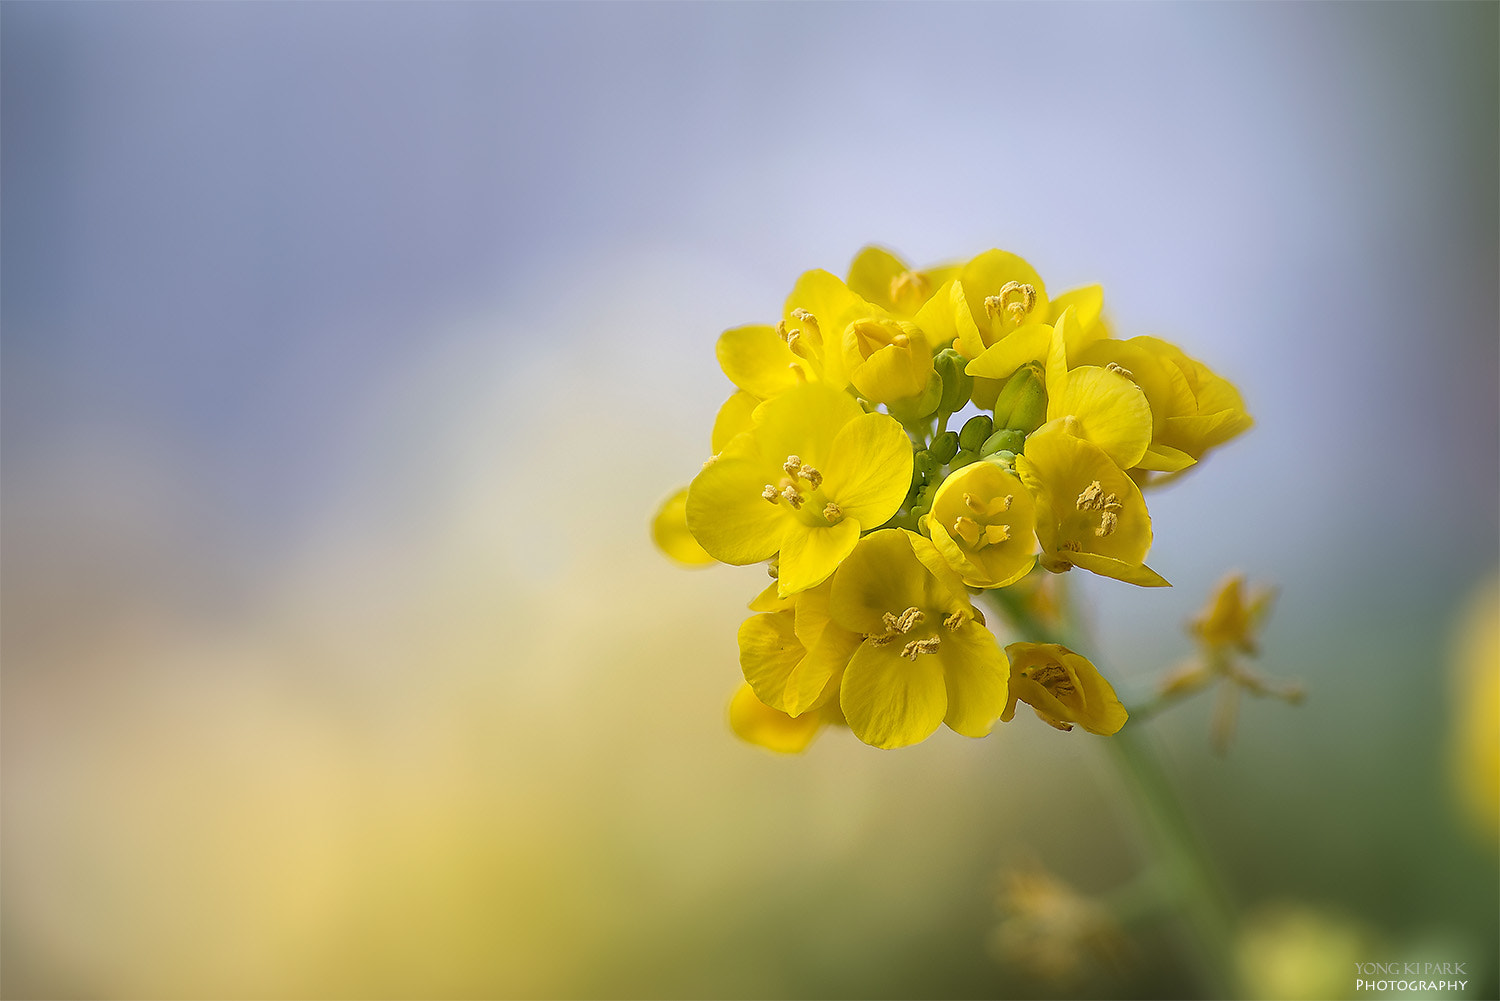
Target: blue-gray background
347,349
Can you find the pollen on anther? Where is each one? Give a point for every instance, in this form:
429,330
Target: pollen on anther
792,465
1120,369
1107,524
916,647
833,513
1091,497
909,618
770,494
954,621
812,476
792,497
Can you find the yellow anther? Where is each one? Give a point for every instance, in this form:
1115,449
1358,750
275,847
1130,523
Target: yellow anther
770,493
1052,677
996,533
798,372
807,318
1120,369
792,465
773,568
833,513
909,618
792,497
954,621
915,647
1013,303
1070,547
889,620
812,476
1005,503
1107,523
1091,497
967,529
974,504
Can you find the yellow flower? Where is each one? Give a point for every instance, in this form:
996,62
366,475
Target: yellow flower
791,654
1063,688
888,360
882,278
1206,409
806,346
1088,304
1004,293
670,532
759,724
1229,620
1162,383
983,523
1089,513
812,472
924,655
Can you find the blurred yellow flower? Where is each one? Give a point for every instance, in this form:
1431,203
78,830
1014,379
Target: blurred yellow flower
884,279
812,472
670,532
1062,688
1476,676
984,524
1231,618
759,724
924,655
1051,930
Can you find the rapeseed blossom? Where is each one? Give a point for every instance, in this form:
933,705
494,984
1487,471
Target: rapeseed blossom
832,461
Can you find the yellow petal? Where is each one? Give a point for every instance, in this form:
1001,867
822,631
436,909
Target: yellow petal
759,724
769,650
810,553
976,674
1131,573
1111,412
1024,344
868,469
758,361
734,418
815,679
889,700
803,422
871,272
669,531
726,512
946,321
770,601
881,575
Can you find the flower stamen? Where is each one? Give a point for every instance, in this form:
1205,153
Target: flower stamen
916,647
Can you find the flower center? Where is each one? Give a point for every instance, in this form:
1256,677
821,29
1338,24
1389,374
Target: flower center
1012,304
805,341
802,485
1093,498
1053,677
870,335
909,289
901,625
982,526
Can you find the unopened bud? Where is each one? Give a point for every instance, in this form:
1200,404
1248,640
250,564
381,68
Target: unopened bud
1006,440
1022,403
974,432
944,447
957,384
915,408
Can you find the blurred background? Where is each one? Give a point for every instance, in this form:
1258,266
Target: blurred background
348,350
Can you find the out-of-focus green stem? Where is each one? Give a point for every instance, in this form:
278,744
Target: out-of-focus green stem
1182,867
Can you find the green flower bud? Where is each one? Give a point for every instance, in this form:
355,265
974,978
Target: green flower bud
944,447
975,431
925,463
962,459
1022,403
1008,439
957,384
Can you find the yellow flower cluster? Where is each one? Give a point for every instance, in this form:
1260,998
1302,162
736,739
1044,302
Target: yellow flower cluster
833,462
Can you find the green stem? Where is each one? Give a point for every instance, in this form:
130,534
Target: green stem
1183,866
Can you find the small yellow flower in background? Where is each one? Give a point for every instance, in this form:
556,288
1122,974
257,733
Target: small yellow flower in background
1476,687
1231,618
1051,930
802,482
670,532
759,724
1295,952
1227,627
1088,512
983,523
884,279
1063,688
924,656
792,655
